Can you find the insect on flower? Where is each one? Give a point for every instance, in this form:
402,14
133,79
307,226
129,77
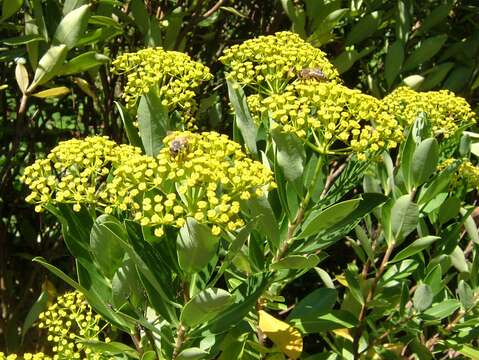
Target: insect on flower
312,74
178,144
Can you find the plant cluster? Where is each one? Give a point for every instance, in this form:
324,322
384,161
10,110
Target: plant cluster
71,326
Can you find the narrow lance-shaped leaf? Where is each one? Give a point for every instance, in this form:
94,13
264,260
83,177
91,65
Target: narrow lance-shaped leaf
72,27
416,247
131,130
153,123
404,217
425,51
195,245
83,62
394,61
424,161
205,305
290,153
422,298
244,121
49,65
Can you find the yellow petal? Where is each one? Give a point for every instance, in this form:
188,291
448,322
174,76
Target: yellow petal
283,335
344,333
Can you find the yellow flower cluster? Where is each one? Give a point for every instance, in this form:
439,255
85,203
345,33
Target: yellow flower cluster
466,171
334,118
204,176
68,322
74,171
26,356
173,75
268,63
445,111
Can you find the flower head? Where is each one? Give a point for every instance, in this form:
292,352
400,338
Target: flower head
173,75
204,176
445,111
268,63
334,118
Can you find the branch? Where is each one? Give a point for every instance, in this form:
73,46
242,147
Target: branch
213,9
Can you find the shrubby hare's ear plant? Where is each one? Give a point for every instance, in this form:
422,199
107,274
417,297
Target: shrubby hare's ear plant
189,241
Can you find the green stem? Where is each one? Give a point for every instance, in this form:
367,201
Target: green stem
300,214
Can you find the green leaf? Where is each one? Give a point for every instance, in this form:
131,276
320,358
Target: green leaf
297,262
422,298
9,8
243,118
335,319
195,245
72,27
471,228
140,15
38,306
436,75
106,21
323,219
331,234
175,22
52,92
22,40
344,61
153,123
365,27
147,264
112,347
437,15
466,294
250,292
424,161
290,153
83,62
468,351
416,247
126,285
192,354
104,246
403,20
449,209
394,61
131,130
206,305
267,223
404,217
96,301
441,310
458,260
425,51
458,78
320,301
49,65
438,185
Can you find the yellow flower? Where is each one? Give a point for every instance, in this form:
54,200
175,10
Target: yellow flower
268,63
204,179
445,111
174,76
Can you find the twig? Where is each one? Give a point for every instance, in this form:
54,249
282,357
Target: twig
213,9
369,298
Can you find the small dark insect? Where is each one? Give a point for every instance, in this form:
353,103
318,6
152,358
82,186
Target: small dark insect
178,144
312,74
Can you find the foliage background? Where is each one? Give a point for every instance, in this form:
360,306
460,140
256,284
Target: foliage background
434,44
